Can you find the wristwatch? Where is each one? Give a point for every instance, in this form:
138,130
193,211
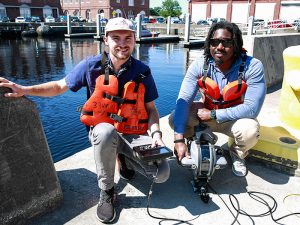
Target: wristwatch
213,115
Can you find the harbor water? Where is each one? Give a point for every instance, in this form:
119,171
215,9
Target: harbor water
38,60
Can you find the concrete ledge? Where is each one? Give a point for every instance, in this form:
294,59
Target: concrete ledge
28,182
268,49
173,199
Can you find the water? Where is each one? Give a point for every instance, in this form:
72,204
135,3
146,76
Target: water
34,61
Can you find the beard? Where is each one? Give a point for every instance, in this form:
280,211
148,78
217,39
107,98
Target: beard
121,55
218,60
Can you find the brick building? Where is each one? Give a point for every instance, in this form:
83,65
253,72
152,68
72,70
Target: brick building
239,10
27,8
106,8
84,8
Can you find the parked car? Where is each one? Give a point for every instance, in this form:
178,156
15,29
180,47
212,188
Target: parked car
160,20
103,20
4,19
145,20
278,24
49,19
152,20
28,19
75,19
215,20
62,18
296,23
20,19
175,20
258,22
202,22
81,19
36,19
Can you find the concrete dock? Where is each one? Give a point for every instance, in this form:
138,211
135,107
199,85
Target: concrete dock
175,198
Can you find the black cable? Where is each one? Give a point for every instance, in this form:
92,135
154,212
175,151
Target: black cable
163,218
234,216
254,195
237,208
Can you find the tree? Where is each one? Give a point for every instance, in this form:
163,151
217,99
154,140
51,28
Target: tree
170,8
155,11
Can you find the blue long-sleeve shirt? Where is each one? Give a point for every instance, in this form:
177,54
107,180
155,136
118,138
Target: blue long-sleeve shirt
253,99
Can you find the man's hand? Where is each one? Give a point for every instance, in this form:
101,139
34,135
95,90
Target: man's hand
17,90
182,151
204,114
157,140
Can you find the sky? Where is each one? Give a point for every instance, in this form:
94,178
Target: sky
182,3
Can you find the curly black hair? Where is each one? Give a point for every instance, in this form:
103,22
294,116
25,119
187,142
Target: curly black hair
236,36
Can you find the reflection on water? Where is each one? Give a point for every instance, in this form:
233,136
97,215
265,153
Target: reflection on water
33,61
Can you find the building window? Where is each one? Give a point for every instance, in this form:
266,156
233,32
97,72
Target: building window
76,12
25,11
87,14
142,2
130,2
101,12
118,1
47,11
130,14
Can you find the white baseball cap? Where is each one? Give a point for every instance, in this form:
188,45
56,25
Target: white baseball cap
119,23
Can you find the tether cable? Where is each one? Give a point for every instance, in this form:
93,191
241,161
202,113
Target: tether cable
237,202
163,218
252,194
255,195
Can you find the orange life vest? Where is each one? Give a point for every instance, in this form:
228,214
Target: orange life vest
128,114
232,93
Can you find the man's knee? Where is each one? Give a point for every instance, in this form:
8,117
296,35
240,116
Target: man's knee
103,132
246,132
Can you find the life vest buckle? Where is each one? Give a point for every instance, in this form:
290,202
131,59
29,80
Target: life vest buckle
116,99
117,118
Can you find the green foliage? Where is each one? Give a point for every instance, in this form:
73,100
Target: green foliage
170,8
155,11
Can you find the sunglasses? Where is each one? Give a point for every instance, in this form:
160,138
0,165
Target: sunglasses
225,42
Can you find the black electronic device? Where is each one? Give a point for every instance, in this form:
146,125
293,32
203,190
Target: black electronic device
147,153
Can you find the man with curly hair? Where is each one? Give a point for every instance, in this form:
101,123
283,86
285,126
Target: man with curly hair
232,88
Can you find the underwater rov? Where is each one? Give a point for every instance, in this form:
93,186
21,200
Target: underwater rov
205,159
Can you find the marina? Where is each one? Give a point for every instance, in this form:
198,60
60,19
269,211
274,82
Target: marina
273,173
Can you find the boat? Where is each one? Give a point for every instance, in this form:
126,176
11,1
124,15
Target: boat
147,33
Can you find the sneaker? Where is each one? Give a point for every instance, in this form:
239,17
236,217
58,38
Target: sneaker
105,210
125,172
238,165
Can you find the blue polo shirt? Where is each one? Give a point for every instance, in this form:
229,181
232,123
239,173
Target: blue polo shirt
253,99
85,73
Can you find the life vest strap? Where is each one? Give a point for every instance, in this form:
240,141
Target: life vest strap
143,121
118,99
221,102
88,113
121,119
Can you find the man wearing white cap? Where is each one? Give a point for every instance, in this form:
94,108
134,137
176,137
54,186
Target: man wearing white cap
111,139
